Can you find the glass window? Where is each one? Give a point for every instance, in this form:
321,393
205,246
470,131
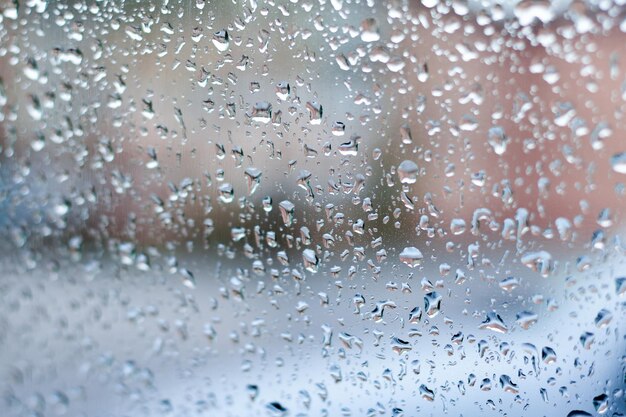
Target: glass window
312,208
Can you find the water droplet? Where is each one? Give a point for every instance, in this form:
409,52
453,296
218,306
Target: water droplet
618,162
407,172
432,303
282,90
221,40
601,403
498,139
426,393
369,30
310,259
494,322
261,112
253,179
315,112
287,209
525,319
411,256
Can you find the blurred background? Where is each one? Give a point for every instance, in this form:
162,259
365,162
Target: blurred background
235,208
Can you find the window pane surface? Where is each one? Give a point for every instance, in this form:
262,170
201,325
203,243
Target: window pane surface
312,208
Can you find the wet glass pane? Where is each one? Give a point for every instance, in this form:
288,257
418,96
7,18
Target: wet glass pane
312,208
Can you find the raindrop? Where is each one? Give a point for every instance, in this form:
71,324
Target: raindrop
494,322
221,40
407,172
411,256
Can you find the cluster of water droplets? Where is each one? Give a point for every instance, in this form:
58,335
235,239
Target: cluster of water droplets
312,208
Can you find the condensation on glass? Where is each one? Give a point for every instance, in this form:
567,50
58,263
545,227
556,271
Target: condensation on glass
312,208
